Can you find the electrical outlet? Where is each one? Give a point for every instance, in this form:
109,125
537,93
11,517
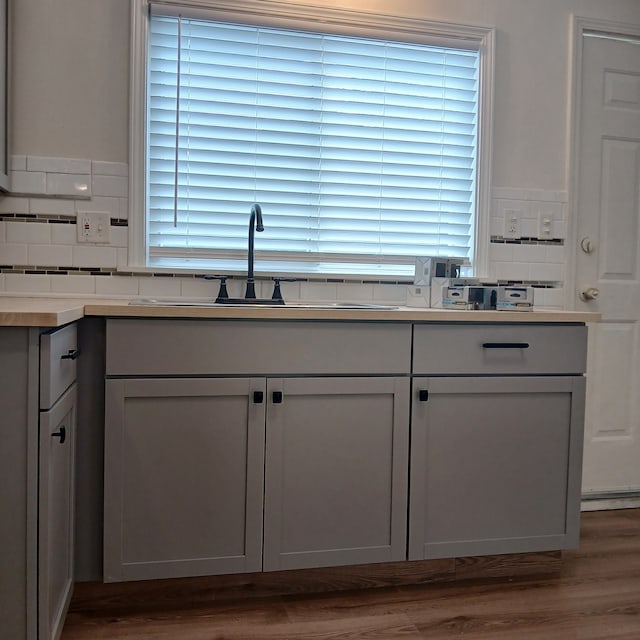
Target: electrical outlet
545,225
94,227
512,223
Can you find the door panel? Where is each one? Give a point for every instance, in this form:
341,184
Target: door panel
336,472
56,513
183,463
618,257
495,465
608,217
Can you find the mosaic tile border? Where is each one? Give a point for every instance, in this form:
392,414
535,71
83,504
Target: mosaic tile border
501,240
53,219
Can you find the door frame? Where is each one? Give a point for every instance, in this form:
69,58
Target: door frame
580,26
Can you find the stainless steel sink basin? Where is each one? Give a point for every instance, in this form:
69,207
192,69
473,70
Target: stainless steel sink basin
291,305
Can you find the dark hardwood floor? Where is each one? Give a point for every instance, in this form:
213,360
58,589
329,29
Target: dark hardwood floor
592,594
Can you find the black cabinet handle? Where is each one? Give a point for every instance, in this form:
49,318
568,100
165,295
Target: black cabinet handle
505,345
72,354
62,434
258,397
277,397
423,395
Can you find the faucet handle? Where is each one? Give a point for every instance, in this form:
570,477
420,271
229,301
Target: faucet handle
277,292
223,294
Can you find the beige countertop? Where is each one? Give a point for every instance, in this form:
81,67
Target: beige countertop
54,312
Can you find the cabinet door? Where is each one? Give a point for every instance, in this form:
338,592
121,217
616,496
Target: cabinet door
184,481
495,465
335,471
56,514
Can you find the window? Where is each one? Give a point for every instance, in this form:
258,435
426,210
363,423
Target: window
362,151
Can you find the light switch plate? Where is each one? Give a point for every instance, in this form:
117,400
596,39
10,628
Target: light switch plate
512,223
94,227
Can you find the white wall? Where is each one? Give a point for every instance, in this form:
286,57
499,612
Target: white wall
70,85
71,76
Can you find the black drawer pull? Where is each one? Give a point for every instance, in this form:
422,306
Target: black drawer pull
505,345
277,397
72,354
62,434
423,395
258,397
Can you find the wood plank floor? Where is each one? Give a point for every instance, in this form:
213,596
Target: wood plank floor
594,595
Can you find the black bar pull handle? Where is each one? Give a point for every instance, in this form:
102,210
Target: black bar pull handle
423,395
258,397
277,397
61,433
505,345
72,354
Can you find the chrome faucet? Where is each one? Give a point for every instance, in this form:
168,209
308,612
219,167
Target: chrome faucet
255,224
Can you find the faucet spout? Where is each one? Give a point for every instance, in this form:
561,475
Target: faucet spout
255,224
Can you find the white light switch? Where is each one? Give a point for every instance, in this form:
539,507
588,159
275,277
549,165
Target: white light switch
94,226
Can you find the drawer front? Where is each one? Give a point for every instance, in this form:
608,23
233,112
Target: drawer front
58,368
517,349
140,347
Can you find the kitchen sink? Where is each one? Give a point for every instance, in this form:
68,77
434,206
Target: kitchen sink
338,305
185,302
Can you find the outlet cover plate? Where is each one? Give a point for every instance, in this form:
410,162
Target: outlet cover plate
94,227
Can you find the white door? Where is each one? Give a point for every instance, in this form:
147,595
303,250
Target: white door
608,258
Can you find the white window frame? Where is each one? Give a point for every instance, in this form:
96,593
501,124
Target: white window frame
280,14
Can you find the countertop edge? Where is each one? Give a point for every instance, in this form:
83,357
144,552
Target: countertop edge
55,312
39,312
399,314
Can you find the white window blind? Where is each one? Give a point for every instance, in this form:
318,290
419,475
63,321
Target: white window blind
357,149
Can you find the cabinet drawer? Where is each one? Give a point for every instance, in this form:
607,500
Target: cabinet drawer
139,347
58,353
517,349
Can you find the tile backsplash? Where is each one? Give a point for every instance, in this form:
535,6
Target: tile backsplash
39,252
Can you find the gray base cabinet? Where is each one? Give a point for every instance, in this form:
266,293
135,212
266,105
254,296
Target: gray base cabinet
238,446
184,477
335,474
195,465
37,469
495,465
496,441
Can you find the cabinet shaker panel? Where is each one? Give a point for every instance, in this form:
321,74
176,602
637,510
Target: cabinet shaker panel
495,465
336,471
184,477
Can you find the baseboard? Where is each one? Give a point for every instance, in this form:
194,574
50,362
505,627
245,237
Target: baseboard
611,500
